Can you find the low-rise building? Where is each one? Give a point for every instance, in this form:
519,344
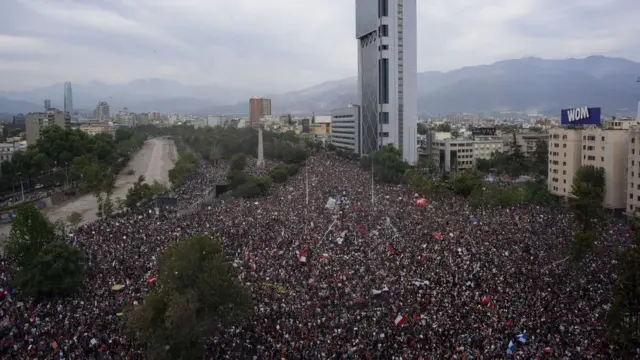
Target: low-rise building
485,146
453,154
8,149
94,129
345,128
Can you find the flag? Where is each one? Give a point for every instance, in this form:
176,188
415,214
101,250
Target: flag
392,250
522,338
548,350
485,300
438,235
303,255
324,257
511,348
400,320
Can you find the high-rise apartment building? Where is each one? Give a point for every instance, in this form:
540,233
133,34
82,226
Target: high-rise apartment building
345,128
606,147
35,122
126,118
258,107
68,98
47,104
387,75
102,112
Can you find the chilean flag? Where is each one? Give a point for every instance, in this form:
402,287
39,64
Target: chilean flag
400,320
303,255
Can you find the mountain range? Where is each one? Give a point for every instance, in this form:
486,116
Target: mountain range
519,85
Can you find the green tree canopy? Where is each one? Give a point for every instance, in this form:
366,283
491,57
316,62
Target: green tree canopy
466,182
388,164
45,265
197,293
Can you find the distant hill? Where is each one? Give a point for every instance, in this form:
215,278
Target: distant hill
527,84
18,106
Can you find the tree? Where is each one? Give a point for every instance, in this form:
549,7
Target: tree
443,128
237,163
585,201
422,129
56,270
540,158
197,294
30,233
75,219
388,165
466,182
623,320
45,265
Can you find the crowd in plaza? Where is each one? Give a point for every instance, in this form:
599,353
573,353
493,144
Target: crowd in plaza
375,277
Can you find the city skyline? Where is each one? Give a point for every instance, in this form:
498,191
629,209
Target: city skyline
204,46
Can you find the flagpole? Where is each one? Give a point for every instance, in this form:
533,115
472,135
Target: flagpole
372,191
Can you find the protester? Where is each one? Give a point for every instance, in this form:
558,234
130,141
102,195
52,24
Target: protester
376,277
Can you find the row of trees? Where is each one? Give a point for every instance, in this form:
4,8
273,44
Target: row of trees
186,164
71,156
142,192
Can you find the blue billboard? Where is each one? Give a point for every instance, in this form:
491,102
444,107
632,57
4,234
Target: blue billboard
580,116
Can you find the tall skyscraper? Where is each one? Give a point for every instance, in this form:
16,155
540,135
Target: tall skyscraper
68,98
387,75
47,104
258,107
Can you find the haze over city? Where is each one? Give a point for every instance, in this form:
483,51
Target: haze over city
281,45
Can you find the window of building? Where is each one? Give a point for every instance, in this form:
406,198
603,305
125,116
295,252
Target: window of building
384,134
631,196
384,117
384,30
602,158
603,138
633,140
383,80
564,146
383,8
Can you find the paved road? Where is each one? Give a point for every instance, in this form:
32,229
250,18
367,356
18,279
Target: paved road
154,161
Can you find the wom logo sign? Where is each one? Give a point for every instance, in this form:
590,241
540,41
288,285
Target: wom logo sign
578,114
581,116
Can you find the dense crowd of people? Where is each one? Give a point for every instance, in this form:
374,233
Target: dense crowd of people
373,277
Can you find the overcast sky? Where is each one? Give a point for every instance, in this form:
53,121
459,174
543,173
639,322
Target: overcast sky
279,45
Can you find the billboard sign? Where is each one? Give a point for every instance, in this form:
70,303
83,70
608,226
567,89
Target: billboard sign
580,116
483,131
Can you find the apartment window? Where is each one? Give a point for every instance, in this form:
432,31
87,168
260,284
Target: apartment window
603,138
602,158
564,137
564,146
384,30
564,181
564,172
631,196
564,163
383,80
384,134
383,8
591,158
384,117
633,140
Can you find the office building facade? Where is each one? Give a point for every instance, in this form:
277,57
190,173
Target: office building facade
47,104
68,98
345,128
102,113
386,31
258,107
